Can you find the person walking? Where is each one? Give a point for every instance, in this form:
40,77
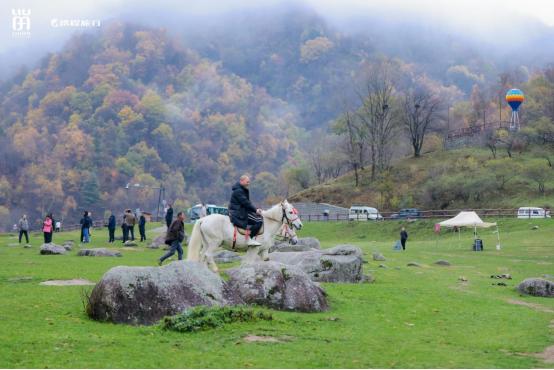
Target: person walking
87,224
142,227
403,237
111,228
23,226
169,216
47,228
81,221
174,237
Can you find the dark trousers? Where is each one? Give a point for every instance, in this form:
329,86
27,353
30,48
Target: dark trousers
168,222
255,223
82,236
142,231
132,229
111,232
125,230
21,232
48,237
403,242
175,246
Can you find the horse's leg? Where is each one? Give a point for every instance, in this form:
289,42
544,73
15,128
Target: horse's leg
209,257
264,252
252,254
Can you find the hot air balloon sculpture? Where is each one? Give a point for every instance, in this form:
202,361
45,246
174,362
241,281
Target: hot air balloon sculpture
514,97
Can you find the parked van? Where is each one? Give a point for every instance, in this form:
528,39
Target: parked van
363,213
532,212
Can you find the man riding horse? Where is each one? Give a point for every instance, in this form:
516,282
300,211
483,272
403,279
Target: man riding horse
242,212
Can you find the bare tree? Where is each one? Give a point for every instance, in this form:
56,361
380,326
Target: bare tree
376,115
420,110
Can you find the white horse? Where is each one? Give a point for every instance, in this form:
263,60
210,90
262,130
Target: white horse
214,231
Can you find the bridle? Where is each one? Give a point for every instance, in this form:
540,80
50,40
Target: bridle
289,220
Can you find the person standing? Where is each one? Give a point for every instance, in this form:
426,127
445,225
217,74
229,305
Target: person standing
58,227
203,210
23,226
111,228
87,224
124,228
47,229
174,237
403,237
142,227
133,222
81,222
169,216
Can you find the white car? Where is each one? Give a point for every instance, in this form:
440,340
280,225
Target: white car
363,213
532,212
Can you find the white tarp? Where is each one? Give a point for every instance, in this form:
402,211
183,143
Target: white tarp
468,219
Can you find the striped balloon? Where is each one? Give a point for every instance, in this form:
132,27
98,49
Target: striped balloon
515,97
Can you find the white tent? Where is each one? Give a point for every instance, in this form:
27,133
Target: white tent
470,219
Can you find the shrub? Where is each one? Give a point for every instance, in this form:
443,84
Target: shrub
203,318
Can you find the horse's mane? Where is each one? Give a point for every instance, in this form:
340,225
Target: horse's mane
273,212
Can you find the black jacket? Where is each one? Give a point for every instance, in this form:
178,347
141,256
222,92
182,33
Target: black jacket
240,206
169,215
142,221
87,222
404,235
111,222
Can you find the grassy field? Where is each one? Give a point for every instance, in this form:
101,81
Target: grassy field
409,317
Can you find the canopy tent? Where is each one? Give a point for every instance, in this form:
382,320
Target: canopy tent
470,219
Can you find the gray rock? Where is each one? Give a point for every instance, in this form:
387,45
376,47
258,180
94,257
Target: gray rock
51,248
442,263
144,295
99,252
158,242
277,286
548,276
303,245
378,257
226,256
342,263
68,247
130,243
537,287
27,246
383,266
536,227
310,242
413,264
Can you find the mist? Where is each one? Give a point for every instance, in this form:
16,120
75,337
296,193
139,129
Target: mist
509,32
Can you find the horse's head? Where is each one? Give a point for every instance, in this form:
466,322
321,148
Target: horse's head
290,215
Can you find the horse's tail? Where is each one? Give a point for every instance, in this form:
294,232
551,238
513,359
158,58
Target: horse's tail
195,243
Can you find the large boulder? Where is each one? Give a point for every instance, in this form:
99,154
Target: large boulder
158,242
144,295
537,287
226,256
99,252
52,248
278,286
342,263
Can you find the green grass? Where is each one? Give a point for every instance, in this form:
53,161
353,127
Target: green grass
409,317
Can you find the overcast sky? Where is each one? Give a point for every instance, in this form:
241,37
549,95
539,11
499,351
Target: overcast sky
474,17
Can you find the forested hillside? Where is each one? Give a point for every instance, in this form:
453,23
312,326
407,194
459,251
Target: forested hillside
132,106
